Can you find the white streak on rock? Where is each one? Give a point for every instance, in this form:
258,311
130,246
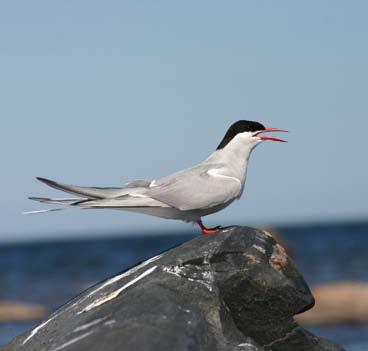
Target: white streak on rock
110,322
72,341
253,258
246,344
88,325
121,276
267,233
224,230
117,292
208,280
260,249
285,337
37,329
176,270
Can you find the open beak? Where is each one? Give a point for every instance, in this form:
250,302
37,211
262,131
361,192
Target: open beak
268,130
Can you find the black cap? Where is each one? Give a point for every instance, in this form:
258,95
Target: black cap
239,127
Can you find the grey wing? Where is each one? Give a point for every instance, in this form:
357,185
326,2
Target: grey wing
195,188
137,183
97,192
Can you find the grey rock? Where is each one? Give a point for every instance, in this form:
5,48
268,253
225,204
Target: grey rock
233,291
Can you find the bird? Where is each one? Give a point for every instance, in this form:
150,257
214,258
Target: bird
186,195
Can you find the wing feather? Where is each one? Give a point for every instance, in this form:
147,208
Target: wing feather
195,188
124,202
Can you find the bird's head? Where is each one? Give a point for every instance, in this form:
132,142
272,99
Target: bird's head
249,133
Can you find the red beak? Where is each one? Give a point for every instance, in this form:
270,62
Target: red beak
267,130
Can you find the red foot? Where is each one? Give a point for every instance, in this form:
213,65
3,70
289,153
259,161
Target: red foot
207,231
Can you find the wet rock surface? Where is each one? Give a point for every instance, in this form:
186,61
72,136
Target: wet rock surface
236,290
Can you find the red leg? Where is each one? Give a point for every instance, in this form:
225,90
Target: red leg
207,231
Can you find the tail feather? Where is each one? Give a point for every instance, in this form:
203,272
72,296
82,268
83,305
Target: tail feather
93,192
129,197
121,203
58,201
44,211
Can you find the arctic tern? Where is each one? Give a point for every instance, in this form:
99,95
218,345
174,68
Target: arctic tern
186,195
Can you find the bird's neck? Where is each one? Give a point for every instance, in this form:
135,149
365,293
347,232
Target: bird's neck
234,157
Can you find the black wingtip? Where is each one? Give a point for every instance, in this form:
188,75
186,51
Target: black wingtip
44,180
34,198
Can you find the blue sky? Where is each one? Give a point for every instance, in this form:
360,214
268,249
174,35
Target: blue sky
95,93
